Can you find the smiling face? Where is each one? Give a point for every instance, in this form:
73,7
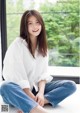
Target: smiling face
34,27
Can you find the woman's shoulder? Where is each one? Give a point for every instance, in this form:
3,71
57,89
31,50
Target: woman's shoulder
14,46
18,42
17,46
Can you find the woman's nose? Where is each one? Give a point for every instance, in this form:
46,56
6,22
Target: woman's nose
35,25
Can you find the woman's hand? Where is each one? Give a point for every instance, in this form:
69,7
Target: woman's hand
40,95
40,99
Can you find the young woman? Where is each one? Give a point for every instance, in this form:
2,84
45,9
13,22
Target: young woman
27,84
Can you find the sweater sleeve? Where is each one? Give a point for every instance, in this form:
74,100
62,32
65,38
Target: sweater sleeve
13,67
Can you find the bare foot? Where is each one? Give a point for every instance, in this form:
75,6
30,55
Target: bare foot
38,109
19,111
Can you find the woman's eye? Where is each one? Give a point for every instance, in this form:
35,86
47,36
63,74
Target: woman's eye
29,23
37,22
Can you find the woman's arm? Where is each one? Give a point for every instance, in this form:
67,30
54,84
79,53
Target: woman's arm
42,86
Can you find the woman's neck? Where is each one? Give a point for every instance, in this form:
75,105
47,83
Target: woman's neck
34,44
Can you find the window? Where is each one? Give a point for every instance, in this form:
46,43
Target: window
61,19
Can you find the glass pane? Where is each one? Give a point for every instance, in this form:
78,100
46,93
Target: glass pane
61,19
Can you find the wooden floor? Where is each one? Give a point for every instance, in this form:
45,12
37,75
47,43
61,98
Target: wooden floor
69,105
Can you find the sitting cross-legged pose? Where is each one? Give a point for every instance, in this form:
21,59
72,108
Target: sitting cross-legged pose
27,85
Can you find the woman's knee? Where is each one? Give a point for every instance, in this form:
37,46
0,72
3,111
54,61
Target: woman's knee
4,86
71,85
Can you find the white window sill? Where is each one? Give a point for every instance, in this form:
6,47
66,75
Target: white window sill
64,71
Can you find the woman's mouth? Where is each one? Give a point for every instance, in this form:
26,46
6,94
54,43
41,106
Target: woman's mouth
35,30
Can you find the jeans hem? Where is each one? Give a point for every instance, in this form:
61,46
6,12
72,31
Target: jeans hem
53,105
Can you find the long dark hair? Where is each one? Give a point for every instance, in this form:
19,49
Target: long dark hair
41,40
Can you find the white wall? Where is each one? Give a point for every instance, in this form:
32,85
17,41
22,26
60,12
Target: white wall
64,71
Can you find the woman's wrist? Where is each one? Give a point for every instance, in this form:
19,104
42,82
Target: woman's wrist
29,93
41,91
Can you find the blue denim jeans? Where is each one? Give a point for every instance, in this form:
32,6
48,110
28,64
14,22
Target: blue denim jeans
55,92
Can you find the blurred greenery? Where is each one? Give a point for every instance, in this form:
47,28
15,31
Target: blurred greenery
62,28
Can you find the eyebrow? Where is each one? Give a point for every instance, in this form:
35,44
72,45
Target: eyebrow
29,21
